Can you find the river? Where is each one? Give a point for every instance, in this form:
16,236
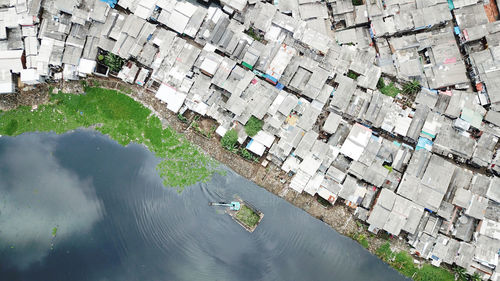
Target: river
114,220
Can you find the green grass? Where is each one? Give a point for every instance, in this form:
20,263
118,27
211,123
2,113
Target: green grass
323,202
361,238
113,61
432,273
255,35
247,216
124,120
229,140
403,262
384,252
353,75
411,88
247,155
182,118
253,126
388,90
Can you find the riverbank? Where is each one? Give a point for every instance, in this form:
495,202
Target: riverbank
272,178
124,120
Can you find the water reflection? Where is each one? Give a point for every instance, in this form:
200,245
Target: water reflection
117,221
37,194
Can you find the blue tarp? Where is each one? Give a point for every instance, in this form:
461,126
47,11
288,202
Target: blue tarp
457,30
423,27
431,90
270,78
249,144
111,3
451,6
280,86
258,73
407,146
424,143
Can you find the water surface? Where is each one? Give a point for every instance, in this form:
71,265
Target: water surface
115,221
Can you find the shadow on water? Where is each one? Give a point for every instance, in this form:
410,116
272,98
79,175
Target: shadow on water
117,222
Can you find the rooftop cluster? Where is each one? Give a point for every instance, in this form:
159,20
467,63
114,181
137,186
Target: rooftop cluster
390,107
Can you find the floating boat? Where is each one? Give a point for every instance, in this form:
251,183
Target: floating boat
234,206
243,213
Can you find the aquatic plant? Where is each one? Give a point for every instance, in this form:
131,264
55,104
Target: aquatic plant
247,216
124,120
54,232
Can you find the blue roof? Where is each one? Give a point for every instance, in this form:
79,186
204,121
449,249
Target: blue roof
111,3
424,143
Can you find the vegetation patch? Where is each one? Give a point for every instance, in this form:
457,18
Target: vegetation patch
182,118
357,2
388,167
206,133
323,202
113,61
403,262
384,252
229,140
462,275
353,75
247,216
247,155
54,232
411,88
388,90
253,126
125,121
255,35
361,238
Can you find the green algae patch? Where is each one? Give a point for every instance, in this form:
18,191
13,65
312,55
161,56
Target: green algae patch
124,120
247,216
54,232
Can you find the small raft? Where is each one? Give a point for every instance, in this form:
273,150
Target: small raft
243,213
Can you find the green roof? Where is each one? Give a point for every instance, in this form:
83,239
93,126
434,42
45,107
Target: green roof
247,65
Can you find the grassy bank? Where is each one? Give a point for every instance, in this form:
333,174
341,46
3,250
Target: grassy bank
403,262
124,120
